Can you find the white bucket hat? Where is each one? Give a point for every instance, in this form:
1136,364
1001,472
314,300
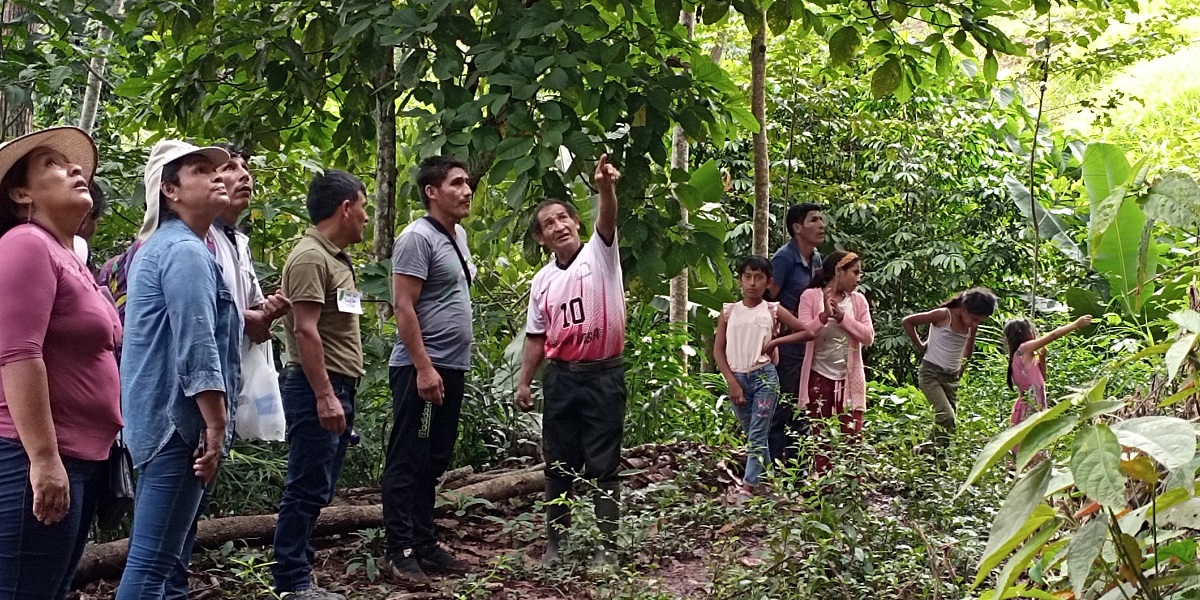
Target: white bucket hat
163,153
72,142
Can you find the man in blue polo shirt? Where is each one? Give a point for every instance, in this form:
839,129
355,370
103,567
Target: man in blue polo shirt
793,263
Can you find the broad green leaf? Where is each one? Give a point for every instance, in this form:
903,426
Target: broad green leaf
1060,481
1022,559
667,12
843,44
779,16
1184,478
1103,214
1175,200
1104,168
1086,543
1096,464
1042,513
1005,440
1049,226
1178,353
898,10
1016,510
991,67
1117,256
707,180
1169,440
1100,407
1043,436
1187,319
713,11
1141,468
886,78
1185,514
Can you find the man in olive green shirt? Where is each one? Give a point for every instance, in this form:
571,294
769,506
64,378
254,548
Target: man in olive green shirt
318,383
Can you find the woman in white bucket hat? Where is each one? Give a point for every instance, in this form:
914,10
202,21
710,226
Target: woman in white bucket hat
60,398
180,356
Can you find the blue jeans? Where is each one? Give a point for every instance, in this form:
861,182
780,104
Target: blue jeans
315,457
168,502
761,389
38,561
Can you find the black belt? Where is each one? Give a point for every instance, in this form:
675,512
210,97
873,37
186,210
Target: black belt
294,369
589,366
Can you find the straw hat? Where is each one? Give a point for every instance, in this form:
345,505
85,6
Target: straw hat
72,142
164,153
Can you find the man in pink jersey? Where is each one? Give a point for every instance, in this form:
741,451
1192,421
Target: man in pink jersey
577,321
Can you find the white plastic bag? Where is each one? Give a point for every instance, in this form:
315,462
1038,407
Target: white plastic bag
259,405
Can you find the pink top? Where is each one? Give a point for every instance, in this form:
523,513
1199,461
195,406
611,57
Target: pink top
859,329
1027,375
52,309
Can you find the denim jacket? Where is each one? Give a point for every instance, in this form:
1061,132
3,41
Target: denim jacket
183,336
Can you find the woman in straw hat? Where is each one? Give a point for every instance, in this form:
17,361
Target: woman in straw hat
179,359
60,400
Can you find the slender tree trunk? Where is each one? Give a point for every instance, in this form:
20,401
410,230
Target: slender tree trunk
385,172
680,152
14,120
762,165
91,95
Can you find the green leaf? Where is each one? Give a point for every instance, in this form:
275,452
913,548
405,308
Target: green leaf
1104,213
1005,440
1100,407
713,11
779,16
1175,200
1085,547
667,12
1178,353
1096,465
1049,226
1014,513
1185,514
1119,256
991,67
1021,560
1169,440
899,10
843,44
1104,168
1188,320
1043,436
1041,514
886,78
707,181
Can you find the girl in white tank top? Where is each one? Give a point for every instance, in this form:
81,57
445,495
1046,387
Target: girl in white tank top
744,351
945,350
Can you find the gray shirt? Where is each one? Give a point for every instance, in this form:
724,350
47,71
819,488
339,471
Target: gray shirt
444,305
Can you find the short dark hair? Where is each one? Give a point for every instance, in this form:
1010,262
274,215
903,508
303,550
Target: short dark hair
434,170
535,225
756,262
329,190
797,213
234,150
17,176
99,200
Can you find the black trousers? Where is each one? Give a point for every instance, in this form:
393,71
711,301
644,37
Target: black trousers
419,450
789,424
582,424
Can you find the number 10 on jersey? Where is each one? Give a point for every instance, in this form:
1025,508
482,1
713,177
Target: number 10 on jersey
572,312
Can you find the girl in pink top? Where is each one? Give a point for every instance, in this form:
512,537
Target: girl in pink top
832,379
59,389
1027,363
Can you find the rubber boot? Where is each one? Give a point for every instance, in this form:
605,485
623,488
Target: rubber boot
558,519
608,514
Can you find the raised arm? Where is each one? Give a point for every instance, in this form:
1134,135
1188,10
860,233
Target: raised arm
937,316
1039,343
606,218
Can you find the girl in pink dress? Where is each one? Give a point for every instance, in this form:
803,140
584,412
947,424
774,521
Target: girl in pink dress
1027,363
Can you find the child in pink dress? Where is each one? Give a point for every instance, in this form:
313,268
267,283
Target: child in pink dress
1027,363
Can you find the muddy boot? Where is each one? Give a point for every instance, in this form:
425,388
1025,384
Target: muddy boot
558,520
608,513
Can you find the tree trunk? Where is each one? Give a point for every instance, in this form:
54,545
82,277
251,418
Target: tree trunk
385,151
16,120
762,165
679,160
91,95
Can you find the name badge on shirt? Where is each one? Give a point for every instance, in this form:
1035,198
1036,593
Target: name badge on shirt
349,301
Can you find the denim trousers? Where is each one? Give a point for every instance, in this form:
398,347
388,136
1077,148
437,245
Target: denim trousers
168,502
315,457
37,561
761,390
